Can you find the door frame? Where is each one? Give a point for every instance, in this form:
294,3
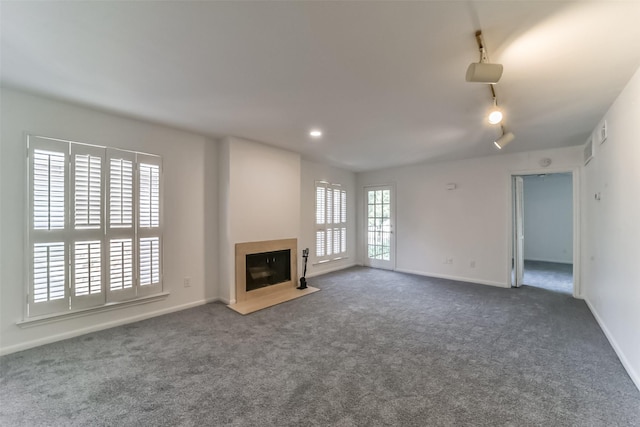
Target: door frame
575,178
364,228
517,193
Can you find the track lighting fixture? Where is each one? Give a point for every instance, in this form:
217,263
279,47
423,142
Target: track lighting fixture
483,71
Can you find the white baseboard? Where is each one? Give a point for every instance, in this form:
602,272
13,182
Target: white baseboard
77,332
225,301
623,359
460,279
331,270
555,261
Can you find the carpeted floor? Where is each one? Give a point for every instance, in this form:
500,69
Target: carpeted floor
372,348
553,276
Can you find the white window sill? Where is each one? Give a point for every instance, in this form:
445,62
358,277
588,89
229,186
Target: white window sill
325,261
56,317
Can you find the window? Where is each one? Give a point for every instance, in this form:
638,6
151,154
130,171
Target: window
331,221
95,234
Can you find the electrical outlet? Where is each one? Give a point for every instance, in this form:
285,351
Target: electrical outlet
187,282
449,261
472,264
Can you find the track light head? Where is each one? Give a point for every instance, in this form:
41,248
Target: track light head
504,140
482,72
495,116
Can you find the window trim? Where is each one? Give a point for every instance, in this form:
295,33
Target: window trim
81,312
71,305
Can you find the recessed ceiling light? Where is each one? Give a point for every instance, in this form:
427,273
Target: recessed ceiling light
315,133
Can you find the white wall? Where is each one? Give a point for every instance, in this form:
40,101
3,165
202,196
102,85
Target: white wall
312,172
259,200
188,250
611,228
548,218
469,224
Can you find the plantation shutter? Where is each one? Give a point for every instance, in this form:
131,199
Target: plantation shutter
149,224
121,275
323,242
321,200
329,208
320,243
120,228
331,218
48,230
320,203
87,257
121,191
343,221
95,226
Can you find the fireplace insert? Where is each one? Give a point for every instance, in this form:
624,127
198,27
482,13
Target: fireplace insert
267,268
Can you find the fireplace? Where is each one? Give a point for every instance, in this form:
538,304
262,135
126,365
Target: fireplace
266,275
265,267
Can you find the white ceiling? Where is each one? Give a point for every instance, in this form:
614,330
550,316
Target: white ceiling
383,80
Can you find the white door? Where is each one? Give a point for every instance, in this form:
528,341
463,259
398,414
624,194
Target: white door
380,227
518,231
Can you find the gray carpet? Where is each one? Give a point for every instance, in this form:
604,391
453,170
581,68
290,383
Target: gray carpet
553,276
372,348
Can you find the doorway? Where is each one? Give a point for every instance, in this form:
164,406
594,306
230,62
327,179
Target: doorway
379,211
543,231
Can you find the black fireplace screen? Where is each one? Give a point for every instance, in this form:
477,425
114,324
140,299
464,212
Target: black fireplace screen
268,268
